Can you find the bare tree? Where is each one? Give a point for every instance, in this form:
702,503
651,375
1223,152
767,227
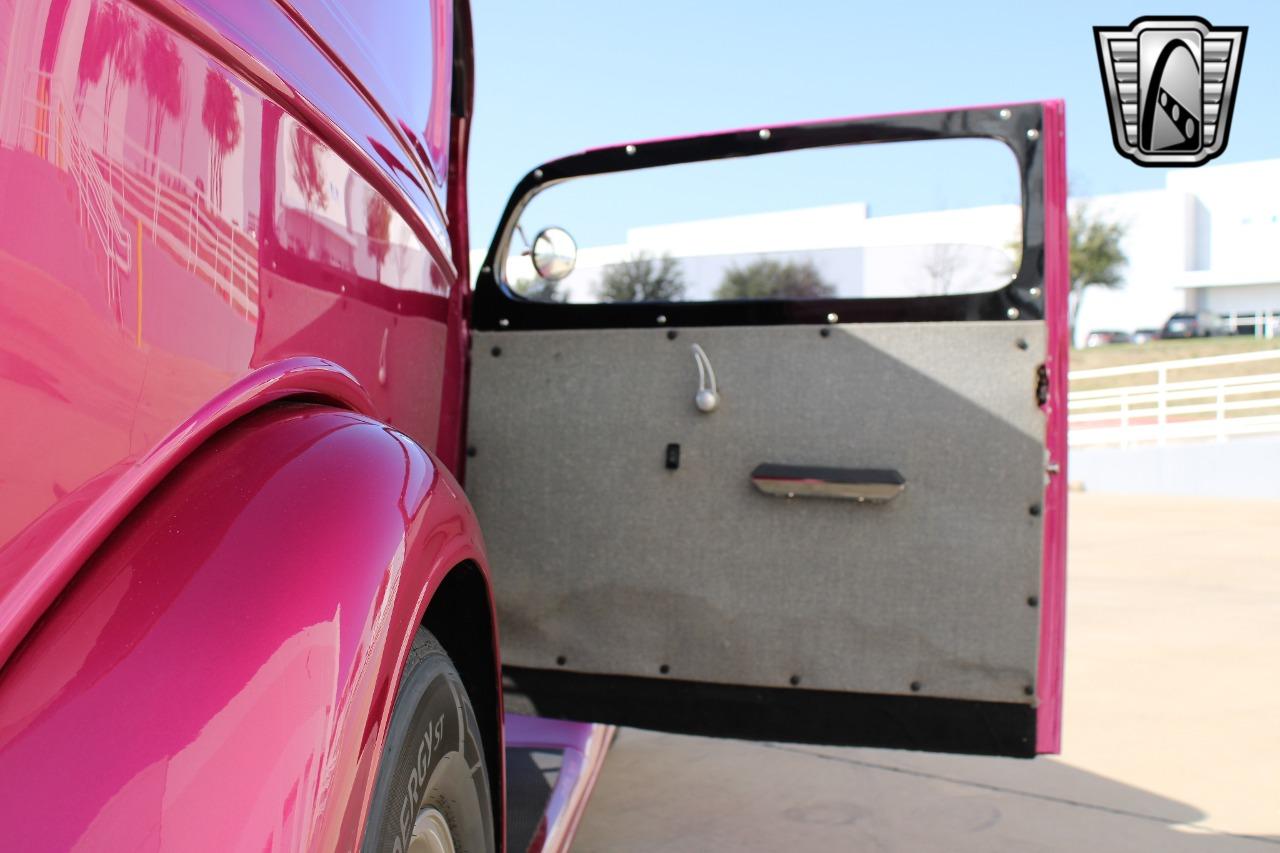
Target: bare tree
942,264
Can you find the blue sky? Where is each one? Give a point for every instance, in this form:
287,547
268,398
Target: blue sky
553,78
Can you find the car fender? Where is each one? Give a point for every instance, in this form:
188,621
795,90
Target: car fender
220,673
39,564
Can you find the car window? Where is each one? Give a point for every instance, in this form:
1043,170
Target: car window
914,218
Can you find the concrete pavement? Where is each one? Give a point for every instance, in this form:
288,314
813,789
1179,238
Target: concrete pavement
1172,724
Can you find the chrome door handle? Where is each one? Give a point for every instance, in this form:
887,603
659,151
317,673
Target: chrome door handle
864,485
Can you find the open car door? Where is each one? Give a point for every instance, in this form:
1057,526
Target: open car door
817,516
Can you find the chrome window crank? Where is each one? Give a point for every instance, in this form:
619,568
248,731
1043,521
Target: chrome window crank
707,398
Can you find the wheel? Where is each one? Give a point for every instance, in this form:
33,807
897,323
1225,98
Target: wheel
432,790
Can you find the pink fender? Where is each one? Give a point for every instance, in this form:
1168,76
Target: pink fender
220,674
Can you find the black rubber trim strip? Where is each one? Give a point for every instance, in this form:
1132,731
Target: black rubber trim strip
776,714
853,476
496,307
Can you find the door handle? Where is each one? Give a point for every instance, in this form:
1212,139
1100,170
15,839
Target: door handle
864,485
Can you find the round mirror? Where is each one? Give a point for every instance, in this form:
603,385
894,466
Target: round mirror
554,253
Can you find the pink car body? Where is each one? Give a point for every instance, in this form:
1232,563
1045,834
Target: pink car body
234,430
172,277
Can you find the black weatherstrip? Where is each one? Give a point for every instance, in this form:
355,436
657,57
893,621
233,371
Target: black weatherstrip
777,714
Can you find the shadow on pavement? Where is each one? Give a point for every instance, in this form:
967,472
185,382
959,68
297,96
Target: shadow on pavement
665,792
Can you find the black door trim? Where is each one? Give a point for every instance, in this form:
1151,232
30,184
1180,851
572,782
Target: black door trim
776,714
1020,126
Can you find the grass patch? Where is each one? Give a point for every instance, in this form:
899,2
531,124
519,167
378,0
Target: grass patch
1117,354
1121,354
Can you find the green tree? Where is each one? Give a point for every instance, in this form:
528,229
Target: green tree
1096,258
540,290
643,278
768,279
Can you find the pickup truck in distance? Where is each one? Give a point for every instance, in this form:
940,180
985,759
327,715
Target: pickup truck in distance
257,418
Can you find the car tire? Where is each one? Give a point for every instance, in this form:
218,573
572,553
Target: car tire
432,789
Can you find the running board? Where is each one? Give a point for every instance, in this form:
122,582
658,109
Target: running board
552,766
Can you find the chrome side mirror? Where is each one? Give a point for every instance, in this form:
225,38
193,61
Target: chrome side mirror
553,254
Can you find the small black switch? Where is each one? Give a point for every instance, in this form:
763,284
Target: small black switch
673,457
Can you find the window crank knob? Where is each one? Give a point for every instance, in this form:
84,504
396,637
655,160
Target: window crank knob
706,400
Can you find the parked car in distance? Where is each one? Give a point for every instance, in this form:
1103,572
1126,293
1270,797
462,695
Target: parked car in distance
1194,324
1102,337
1145,336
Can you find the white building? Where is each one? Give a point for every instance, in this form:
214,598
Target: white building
1237,233
1209,240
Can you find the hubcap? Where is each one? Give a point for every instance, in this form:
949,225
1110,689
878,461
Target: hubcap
431,833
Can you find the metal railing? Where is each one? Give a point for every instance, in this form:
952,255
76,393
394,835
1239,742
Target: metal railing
178,215
1176,407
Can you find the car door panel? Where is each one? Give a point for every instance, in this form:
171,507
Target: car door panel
613,590
661,588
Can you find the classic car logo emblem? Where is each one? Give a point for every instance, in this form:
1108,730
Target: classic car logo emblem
1170,84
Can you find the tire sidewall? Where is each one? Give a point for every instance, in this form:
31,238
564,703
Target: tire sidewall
432,756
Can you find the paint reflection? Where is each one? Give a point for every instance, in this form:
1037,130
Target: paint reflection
176,232
325,213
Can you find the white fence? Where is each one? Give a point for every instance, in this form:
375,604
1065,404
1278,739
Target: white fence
1160,407
1262,324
